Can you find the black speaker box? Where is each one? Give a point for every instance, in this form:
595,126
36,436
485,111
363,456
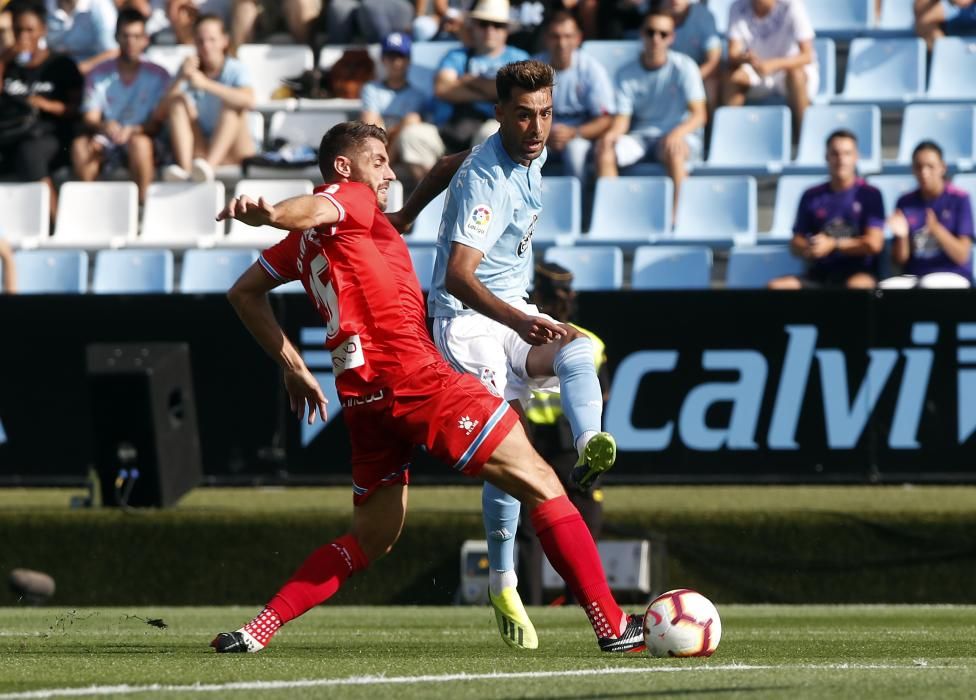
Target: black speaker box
146,444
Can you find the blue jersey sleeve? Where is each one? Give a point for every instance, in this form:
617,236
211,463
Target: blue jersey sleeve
599,97
484,210
691,81
370,97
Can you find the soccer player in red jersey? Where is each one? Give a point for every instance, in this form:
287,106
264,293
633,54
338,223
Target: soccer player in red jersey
396,390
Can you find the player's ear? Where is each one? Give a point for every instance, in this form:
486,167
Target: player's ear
343,166
498,112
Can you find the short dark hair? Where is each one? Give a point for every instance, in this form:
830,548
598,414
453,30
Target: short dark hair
209,17
344,138
928,145
27,7
560,16
129,15
657,10
841,134
529,75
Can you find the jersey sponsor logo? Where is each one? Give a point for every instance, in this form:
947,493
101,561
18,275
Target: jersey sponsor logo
348,355
467,425
363,400
479,220
527,237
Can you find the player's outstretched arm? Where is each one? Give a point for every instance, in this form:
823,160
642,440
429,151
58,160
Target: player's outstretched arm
434,182
462,282
249,297
296,213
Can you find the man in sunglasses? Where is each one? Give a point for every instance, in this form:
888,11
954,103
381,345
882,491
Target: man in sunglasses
465,80
660,105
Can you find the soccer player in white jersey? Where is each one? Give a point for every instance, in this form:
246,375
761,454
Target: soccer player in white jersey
482,322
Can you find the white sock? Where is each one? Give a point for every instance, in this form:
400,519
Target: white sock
582,440
500,580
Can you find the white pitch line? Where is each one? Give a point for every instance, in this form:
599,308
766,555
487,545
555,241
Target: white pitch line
411,680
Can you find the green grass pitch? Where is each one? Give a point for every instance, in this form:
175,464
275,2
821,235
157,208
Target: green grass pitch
818,652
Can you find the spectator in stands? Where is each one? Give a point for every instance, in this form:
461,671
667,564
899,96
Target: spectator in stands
620,19
771,53
660,108
122,108
695,35
465,79
371,19
398,107
6,29
83,29
838,227
936,18
582,98
50,84
7,268
444,21
299,17
207,107
933,228
181,16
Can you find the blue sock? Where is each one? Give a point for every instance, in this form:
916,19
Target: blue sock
579,386
501,515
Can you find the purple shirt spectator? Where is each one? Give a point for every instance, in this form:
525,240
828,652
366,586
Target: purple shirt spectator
843,214
925,255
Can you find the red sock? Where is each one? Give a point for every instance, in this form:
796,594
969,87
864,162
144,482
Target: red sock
319,577
572,552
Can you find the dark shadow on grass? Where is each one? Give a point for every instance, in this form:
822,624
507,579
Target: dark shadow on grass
648,693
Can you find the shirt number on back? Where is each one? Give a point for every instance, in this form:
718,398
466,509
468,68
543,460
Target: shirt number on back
324,293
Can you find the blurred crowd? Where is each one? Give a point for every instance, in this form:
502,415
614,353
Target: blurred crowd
79,96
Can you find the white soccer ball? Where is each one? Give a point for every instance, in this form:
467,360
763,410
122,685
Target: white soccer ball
682,622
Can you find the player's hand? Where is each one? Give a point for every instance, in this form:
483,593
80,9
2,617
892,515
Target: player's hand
113,130
536,330
243,208
304,391
674,144
898,224
822,245
400,222
931,220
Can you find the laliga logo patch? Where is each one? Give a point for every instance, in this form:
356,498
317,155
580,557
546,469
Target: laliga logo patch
467,425
479,220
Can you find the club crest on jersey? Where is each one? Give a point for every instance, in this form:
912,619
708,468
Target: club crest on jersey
467,425
488,379
527,237
479,220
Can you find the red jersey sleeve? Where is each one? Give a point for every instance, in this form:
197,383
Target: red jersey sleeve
355,201
280,261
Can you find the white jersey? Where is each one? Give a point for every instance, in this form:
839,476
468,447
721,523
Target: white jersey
493,205
774,36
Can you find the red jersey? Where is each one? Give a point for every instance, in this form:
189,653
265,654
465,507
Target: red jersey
359,274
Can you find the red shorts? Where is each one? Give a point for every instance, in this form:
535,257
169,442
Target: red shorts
451,414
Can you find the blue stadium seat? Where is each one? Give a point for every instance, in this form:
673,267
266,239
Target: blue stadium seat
51,271
843,19
952,76
562,210
631,210
753,268
749,140
892,187
425,56
966,183
428,222
422,257
594,268
213,271
613,54
826,51
789,189
720,10
951,126
819,121
133,271
672,267
897,18
884,71
717,211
